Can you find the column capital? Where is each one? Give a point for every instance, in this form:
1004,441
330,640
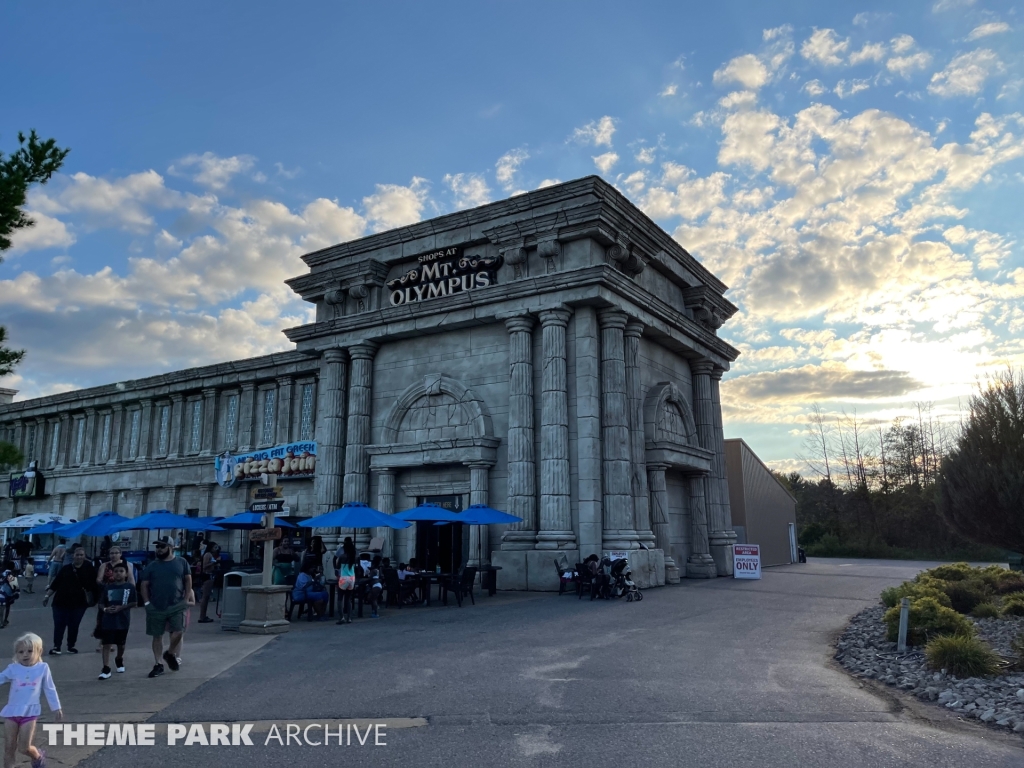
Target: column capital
91,411
612,318
334,355
657,466
177,397
364,350
209,391
556,316
384,470
145,401
478,464
702,367
634,328
716,373
116,407
520,323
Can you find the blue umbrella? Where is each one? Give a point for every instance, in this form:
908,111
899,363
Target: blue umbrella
162,519
247,520
355,514
100,525
481,514
53,526
429,512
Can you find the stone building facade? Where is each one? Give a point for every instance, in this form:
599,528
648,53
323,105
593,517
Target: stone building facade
554,355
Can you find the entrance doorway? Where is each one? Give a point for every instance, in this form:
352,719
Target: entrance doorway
440,545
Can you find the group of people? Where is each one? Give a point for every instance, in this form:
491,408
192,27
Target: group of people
163,590
350,573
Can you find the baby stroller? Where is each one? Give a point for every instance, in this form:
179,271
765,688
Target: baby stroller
9,592
622,581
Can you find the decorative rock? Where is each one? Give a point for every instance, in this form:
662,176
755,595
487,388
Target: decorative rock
990,714
1020,694
1019,727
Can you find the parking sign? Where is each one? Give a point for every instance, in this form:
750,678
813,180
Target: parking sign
746,561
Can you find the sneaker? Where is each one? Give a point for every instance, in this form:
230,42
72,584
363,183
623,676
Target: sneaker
105,674
40,762
72,650
55,651
119,665
171,660
206,621
158,669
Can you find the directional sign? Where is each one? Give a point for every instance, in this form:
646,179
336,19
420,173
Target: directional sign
271,505
264,492
265,534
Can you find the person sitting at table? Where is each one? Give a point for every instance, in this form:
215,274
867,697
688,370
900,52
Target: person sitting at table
310,589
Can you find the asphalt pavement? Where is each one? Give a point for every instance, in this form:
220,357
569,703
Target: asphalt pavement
722,673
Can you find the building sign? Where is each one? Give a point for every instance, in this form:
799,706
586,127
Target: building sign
618,554
444,272
293,461
746,561
25,485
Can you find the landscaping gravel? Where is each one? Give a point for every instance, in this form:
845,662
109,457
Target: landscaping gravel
998,701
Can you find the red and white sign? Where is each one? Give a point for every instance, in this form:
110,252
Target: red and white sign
746,561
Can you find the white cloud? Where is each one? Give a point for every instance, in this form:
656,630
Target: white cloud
645,155
123,202
965,75
393,205
844,90
992,28
824,48
741,99
902,43
870,52
670,90
548,183
907,65
814,88
949,5
1010,89
606,161
326,223
469,189
597,133
747,70
776,32
45,232
507,166
212,171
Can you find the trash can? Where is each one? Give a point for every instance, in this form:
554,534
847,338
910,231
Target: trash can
232,610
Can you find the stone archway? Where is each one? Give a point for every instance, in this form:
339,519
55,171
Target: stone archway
668,417
436,408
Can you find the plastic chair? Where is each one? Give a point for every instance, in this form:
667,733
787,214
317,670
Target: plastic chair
461,585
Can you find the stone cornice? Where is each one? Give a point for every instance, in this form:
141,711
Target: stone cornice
581,208
485,304
165,385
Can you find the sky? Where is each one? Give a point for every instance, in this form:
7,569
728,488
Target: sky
852,171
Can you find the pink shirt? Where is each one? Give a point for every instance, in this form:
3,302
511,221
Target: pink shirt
26,685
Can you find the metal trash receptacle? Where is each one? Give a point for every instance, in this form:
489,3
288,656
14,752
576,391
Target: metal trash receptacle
232,600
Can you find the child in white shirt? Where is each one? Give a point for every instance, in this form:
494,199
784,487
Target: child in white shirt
29,676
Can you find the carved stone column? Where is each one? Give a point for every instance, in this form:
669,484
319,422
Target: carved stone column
89,448
619,531
209,421
177,417
555,514
357,462
117,414
721,537
386,504
330,433
659,519
704,416
145,427
700,564
246,416
479,535
64,444
588,429
284,410
522,490
637,449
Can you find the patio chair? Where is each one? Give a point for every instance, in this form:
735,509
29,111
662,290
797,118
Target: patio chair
461,585
586,582
563,583
397,590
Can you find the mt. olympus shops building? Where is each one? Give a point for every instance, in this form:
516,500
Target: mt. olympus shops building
554,355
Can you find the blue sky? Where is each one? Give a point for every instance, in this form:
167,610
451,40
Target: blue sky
852,171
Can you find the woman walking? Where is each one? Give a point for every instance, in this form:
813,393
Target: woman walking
73,590
346,567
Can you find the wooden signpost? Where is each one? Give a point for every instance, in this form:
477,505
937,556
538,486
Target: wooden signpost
265,534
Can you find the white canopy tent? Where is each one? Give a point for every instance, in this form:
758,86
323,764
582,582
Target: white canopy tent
31,521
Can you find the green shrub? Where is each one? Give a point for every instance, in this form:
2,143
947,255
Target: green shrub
962,655
929,588
985,611
964,595
928,619
951,572
826,546
1013,605
1009,582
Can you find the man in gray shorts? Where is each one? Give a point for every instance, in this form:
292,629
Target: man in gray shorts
166,588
